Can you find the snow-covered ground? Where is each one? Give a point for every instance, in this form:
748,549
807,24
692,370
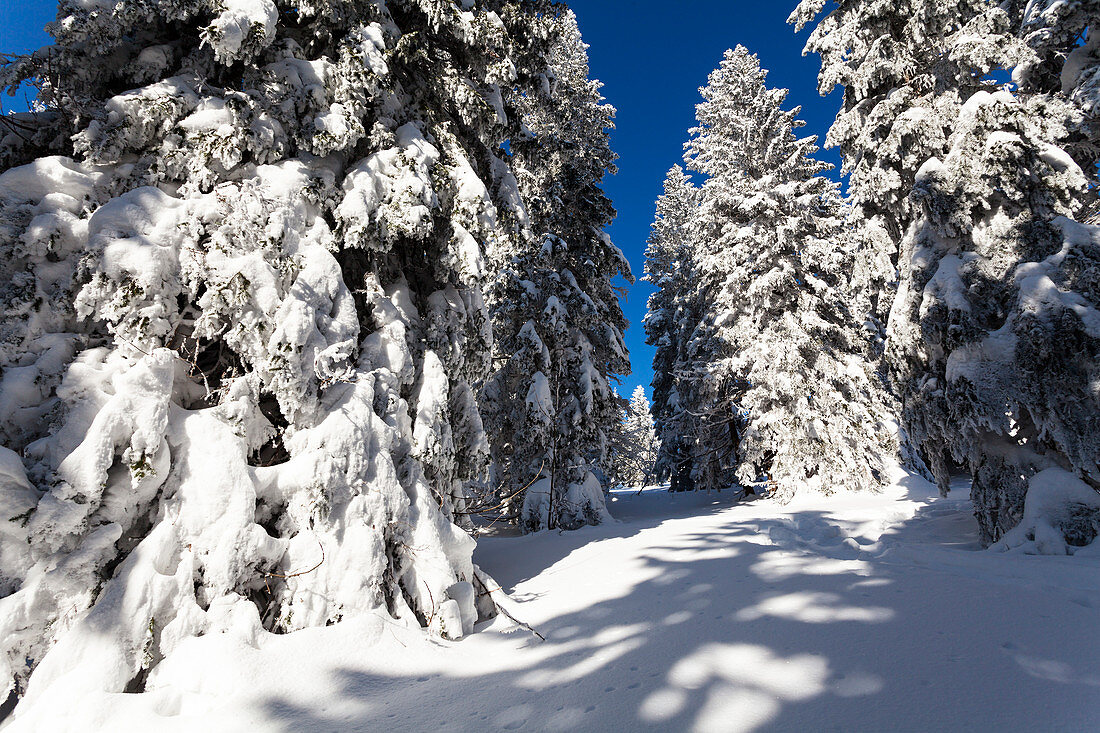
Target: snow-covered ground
864,612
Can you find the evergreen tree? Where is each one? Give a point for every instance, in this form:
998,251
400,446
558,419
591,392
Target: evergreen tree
669,318
989,341
641,425
991,334
905,69
243,322
634,443
786,390
1062,58
550,404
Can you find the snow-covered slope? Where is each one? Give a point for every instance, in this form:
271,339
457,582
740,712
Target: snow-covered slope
869,612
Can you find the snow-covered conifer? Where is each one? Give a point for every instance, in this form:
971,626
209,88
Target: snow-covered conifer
641,425
670,316
634,443
988,270
550,405
243,323
786,390
1062,41
905,69
994,336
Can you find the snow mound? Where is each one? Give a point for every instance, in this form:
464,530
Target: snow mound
1061,515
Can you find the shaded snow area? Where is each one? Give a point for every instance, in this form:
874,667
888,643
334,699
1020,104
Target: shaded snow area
858,612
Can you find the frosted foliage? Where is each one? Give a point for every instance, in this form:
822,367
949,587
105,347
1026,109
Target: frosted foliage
241,29
994,331
634,443
965,187
389,195
43,228
549,405
244,324
778,384
906,69
1064,58
670,317
641,428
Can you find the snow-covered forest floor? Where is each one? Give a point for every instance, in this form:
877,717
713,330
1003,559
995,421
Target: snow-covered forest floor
870,612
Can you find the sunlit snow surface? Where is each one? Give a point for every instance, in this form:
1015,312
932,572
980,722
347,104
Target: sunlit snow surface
849,613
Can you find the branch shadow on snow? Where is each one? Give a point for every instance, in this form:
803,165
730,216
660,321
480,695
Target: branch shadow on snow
777,624
544,549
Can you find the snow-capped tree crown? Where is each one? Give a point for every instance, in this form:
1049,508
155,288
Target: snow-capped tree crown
759,362
743,129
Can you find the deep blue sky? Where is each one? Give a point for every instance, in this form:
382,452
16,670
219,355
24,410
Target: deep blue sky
653,56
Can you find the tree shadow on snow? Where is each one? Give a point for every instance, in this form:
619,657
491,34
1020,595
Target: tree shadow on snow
755,624
512,559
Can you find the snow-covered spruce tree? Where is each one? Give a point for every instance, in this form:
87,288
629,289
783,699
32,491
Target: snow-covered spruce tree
996,333
707,402
643,429
242,323
905,69
634,444
550,406
1062,42
621,464
710,392
993,283
787,364
670,316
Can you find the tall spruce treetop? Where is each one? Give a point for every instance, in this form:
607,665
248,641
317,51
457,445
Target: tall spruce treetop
556,313
743,132
784,350
243,322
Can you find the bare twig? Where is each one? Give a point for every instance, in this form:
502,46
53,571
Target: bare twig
432,599
505,499
504,610
300,573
